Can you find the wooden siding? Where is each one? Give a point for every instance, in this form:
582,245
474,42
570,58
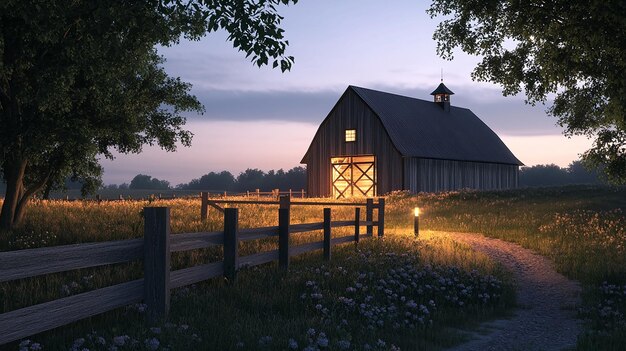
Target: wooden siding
430,175
351,112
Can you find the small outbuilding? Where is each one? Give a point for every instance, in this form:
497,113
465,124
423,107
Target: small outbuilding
373,142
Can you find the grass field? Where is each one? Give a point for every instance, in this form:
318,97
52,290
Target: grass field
582,229
383,295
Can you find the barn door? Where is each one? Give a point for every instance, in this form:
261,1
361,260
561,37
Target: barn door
353,176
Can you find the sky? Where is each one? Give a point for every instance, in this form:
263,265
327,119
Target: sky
262,118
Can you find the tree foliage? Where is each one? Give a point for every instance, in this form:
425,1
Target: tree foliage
574,51
80,79
553,175
146,182
250,179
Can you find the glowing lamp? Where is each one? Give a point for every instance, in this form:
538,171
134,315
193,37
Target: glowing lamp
416,221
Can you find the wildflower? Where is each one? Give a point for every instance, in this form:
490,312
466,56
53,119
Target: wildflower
120,340
155,330
343,344
265,340
152,344
322,340
78,343
24,343
293,345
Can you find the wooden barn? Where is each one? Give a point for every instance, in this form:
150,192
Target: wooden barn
372,143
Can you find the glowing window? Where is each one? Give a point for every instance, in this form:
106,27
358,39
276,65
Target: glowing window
350,135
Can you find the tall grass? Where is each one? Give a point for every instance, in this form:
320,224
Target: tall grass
582,229
383,294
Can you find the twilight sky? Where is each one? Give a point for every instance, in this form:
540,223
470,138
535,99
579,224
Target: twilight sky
261,118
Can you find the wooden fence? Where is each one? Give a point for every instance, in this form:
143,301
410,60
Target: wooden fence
155,250
286,202
189,195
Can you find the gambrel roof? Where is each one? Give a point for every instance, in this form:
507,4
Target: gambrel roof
420,128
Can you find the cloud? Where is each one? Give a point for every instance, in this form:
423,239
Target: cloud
507,115
292,106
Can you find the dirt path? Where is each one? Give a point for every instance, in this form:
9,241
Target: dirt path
546,317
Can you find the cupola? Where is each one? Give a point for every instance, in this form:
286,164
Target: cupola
442,96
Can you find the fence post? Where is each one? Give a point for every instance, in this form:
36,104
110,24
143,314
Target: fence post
327,234
369,216
156,262
284,202
302,194
381,217
357,224
231,243
258,194
98,198
283,238
204,206
290,193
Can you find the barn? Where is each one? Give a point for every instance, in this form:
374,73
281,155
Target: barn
373,142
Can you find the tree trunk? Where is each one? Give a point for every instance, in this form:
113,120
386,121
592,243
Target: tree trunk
14,175
25,197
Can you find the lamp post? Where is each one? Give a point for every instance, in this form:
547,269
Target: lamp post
416,221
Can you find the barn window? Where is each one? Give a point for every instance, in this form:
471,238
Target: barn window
350,135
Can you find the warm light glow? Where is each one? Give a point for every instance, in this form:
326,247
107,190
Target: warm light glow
353,176
417,211
350,134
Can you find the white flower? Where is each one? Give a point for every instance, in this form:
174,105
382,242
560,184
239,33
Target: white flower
343,344
25,343
152,344
120,340
293,345
322,340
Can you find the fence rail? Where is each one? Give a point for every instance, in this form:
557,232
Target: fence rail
146,194
155,250
286,202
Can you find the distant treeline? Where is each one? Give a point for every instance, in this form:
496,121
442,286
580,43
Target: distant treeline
553,175
295,178
250,179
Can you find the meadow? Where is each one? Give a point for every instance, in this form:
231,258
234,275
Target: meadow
370,297
582,229
396,293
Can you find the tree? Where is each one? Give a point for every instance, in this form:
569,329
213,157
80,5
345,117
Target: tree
579,174
83,78
146,182
223,181
574,50
543,175
553,175
250,179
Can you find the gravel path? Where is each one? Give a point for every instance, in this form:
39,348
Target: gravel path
546,315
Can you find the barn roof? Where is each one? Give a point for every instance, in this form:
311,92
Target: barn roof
420,128
442,89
